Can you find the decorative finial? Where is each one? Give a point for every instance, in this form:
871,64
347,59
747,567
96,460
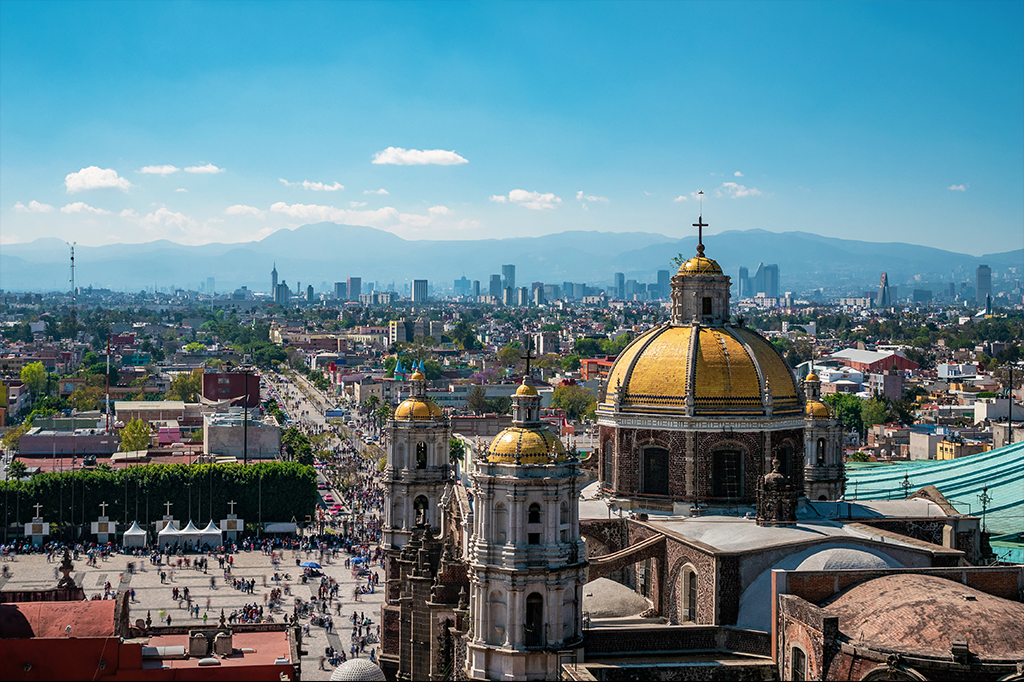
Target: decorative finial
700,225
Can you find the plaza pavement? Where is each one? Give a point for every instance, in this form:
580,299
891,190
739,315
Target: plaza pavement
33,572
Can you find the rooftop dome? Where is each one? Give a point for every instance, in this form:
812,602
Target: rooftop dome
923,614
358,670
699,265
812,377
729,370
526,389
417,376
816,409
416,409
527,445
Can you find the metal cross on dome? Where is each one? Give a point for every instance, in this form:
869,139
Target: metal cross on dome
528,357
700,225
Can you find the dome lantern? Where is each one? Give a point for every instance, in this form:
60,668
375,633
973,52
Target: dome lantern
700,290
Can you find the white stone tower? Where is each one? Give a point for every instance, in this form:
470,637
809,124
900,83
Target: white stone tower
418,466
824,470
527,562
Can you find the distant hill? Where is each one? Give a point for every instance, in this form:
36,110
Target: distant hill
328,252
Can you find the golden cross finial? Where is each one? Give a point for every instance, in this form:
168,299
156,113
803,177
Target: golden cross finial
700,225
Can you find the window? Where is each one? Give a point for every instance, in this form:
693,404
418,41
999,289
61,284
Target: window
798,665
607,470
821,452
691,596
563,513
421,455
707,305
533,516
534,620
784,453
727,474
533,538
655,471
421,506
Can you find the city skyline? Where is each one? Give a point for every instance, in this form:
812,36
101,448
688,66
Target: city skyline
881,122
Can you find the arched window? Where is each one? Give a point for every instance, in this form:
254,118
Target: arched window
533,515
691,595
563,513
784,453
500,524
534,620
706,306
821,452
421,507
798,665
421,455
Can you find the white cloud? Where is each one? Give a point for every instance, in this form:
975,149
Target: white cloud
384,218
159,170
580,196
531,200
208,168
417,157
375,191
95,177
680,198
129,213
164,217
958,188
498,198
82,207
181,189
356,204
736,191
650,194
738,174
315,186
241,209
33,207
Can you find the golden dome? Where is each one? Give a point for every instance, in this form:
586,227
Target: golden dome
727,367
415,409
526,389
699,265
531,445
817,410
812,377
417,376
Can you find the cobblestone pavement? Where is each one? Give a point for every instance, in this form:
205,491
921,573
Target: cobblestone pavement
33,572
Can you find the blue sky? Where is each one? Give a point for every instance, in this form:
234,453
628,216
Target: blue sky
127,122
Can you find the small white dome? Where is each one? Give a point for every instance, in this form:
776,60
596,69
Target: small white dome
358,670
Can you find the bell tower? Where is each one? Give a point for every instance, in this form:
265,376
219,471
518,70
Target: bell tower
824,469
700,290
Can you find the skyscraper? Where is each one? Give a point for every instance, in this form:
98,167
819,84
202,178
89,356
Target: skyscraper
309,293
496,288
419,290
210,286
340,291
664,279
476,288
273,282
743,283
355,287
508,276
765,280
884,298
620,286
982,284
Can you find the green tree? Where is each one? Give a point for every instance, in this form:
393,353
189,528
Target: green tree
34,376
847,409
571,363
390,363
476,399
16,469
575,400
860,457
432,370
12,439
499,405
186,386
135,436
510,354
195,347
875,411
456,450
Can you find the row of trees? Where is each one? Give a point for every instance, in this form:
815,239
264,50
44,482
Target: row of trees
195,491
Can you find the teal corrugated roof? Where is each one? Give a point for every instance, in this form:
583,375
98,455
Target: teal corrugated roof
960,480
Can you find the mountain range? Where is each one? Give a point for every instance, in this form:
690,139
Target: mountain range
328,252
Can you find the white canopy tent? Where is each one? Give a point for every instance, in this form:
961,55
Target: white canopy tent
211,535
134,536
170,535
190,536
